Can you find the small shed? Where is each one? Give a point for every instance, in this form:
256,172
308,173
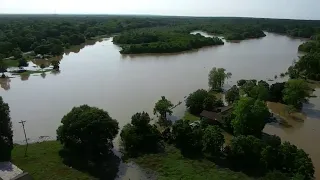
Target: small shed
224,110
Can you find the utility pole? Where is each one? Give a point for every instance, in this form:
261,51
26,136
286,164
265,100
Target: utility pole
25,136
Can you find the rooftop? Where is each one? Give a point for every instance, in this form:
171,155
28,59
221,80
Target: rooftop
225,108
210,115
9,171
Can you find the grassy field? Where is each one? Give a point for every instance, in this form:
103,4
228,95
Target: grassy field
190,117
171,165
44,162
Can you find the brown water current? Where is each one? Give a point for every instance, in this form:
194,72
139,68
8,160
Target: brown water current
98,75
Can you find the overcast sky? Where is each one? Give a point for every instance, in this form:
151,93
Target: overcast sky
297,9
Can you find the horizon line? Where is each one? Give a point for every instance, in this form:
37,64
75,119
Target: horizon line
190,16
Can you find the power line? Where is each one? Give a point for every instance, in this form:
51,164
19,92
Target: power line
25,136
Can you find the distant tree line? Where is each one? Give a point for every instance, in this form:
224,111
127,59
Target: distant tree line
307,67
234,31
50,34
47,34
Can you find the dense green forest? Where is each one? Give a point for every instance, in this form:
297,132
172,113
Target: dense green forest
158,42
50,34
308,65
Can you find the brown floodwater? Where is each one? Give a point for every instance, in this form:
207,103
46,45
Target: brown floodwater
303,132
98,75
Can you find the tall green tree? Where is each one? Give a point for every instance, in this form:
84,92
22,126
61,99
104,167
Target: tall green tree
232,94
295,161
250,117
244,152
247,87
163,106
6,134
139,136
195,101
187,138
296,92
217,77
264,83
270,155
276,92
213,140
259,92
199,100
88,132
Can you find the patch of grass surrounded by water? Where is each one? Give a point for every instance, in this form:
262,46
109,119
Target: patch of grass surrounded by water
171,165
43,162
282,111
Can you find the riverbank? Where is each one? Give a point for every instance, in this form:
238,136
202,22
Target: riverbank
43,162
171,165
29,56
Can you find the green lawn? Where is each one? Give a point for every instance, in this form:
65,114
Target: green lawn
171,165
44,162
190,117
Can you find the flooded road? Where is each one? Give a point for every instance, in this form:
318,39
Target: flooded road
98,75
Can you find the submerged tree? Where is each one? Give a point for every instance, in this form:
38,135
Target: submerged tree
23,63
6,143
42,66
163,106
55,64
217,76
259,92
296,92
